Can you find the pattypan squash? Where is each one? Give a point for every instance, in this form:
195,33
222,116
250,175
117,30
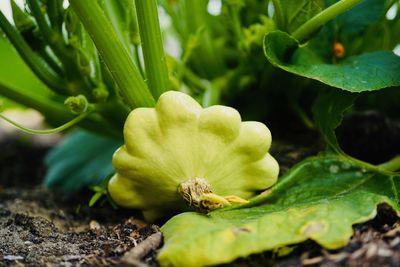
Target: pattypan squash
179,156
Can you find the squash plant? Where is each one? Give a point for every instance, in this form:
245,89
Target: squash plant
92,63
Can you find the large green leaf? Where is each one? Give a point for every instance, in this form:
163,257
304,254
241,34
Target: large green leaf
82,159
366,72
320,199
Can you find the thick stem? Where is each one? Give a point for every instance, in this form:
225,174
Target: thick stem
303,33
118,13
132,88
153,49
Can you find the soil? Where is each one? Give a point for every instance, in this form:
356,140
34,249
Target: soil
39,227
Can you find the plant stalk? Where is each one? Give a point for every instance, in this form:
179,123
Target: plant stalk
153,49
77,81
391,165
279,19
56,112
303,33
132,88
205,57
38,66
58,129
53,38
55,14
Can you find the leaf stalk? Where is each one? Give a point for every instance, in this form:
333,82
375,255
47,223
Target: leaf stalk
391,165
303,33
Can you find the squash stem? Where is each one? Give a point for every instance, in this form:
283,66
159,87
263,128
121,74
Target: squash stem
197,193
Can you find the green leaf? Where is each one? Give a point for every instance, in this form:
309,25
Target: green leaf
83,159
297,12
328,113
95,198
366,72
320,199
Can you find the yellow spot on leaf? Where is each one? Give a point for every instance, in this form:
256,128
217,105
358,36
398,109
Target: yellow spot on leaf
239,230
313,229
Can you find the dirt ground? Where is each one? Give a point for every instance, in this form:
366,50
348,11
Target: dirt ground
39,227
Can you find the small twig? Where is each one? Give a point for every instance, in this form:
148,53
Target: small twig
313,261
133,256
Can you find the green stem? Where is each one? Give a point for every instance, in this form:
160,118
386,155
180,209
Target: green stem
37,101
153,49
192,79
391,165
54,39
303,33
77,82
56,112
138,61
278,14
132,88
61,128
302,114
55,12
49,59
236,24
38,66
27,27
118,14
389,4
366,165
211,95
206,58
